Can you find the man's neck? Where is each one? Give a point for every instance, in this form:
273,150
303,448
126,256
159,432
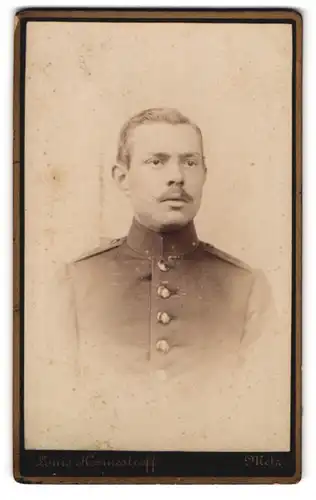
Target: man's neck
169,242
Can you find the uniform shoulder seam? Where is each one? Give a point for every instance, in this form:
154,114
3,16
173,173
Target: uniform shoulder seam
115,243
225,256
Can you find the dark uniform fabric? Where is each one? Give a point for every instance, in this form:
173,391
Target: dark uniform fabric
167,300
163,326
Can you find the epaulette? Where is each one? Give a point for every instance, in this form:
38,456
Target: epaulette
225,256
102,248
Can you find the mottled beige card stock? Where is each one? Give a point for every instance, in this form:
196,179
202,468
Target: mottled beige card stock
83,81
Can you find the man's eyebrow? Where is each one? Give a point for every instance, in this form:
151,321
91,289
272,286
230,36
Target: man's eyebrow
159,154
183,156
191,154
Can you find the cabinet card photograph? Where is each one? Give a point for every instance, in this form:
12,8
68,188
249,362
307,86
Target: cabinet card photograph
157,245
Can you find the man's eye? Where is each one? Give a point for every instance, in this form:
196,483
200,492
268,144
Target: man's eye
190,163
154,161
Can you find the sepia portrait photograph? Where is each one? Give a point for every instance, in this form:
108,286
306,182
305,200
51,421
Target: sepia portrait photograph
157,221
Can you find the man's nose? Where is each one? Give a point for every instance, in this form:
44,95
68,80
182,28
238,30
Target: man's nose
175,174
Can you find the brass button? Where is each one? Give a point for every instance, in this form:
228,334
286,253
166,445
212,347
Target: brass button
163,346
162,265
163,292
163,318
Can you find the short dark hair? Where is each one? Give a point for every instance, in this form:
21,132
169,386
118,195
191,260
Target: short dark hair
152,115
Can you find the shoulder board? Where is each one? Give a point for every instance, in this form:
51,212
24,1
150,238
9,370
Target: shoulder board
102,248
225,256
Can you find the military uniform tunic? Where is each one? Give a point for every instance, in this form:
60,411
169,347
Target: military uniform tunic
164,324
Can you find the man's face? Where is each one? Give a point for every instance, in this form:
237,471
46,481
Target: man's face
166,174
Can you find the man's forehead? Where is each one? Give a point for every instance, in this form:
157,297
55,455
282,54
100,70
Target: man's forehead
165,137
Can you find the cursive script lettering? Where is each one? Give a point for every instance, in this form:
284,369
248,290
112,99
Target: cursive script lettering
91,460
45,461
262,461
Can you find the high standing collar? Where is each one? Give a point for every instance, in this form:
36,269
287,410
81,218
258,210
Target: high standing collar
156,244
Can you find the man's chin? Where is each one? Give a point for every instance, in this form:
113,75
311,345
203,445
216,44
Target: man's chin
173,223
169,222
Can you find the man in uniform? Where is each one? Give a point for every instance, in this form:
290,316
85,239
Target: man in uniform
164,321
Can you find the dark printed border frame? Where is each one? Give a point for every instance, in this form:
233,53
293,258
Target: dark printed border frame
100,467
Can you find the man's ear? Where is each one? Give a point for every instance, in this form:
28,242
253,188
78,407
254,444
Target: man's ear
205,174
120,176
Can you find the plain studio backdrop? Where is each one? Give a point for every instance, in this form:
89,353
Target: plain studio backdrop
83,81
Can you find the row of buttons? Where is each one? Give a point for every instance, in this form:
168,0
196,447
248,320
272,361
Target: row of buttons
163,317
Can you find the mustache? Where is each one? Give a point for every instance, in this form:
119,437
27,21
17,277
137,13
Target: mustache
175,193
